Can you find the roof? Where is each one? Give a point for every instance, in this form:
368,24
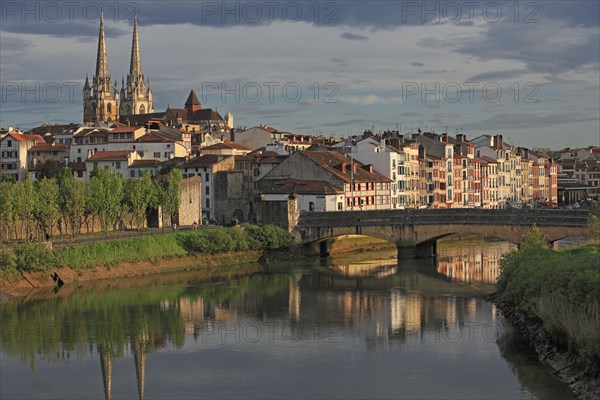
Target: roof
23,137
110,155
332,161
301,186
144,164
155,137
49,147
122,129
488,159
51,128
141,119
226,145
192,99
206,160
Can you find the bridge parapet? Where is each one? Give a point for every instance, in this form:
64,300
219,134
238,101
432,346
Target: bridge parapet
555,218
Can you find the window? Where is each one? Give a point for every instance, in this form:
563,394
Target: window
166,154
207,191
118,165
311,206
340,206
156,154
132,173
9,143
78,151
207,203
206,177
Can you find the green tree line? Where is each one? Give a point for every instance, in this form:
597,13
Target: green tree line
68,203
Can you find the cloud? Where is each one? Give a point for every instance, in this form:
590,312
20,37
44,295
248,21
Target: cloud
494,75
529,120
353,36
417,64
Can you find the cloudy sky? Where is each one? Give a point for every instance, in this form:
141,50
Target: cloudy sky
528,70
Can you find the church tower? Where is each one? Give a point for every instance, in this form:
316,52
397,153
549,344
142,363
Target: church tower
136,94
101,99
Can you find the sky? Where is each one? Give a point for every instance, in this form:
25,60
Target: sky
527,70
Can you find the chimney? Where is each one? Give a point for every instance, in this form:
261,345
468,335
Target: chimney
444,138
355,167
499,142
371,168
421,151
344,166
460,137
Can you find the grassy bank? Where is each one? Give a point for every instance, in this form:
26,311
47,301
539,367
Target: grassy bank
562,289
35,257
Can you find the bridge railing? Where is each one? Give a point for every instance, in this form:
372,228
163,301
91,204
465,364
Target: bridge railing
566,218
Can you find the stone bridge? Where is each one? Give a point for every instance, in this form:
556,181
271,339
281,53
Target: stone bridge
416,231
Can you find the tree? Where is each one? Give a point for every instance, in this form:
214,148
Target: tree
594,222
7,213
140,195
535,238
105,196
171,195
45,205
51,169
71,200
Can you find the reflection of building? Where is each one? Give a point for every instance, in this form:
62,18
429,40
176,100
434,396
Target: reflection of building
472,261
405,312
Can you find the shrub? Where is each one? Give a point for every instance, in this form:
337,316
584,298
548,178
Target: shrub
34,257
8,260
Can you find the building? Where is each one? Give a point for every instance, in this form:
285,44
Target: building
206,166
257,137
364,189
115,161
311,195
226,148
42,153
13,153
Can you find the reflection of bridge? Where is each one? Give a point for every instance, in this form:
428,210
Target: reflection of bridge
415,231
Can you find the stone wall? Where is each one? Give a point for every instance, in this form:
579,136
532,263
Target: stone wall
280,213
231,200
190,209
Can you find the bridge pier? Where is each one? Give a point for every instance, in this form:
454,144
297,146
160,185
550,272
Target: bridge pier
427,249
406,249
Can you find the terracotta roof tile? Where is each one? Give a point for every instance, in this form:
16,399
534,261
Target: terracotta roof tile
110,155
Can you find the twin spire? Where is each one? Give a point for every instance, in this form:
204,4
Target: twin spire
102,102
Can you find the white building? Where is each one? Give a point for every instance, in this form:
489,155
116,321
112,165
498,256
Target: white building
13,153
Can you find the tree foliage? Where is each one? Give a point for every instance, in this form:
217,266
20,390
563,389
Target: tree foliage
171,195
535,238
594,222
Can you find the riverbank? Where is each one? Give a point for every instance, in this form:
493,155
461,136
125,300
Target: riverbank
28,266
553,300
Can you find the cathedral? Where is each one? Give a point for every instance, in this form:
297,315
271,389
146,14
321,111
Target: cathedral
102,101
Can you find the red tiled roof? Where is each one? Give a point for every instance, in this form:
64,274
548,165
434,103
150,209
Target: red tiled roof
206,160
110,155
144,163
23,137
332,161
156,137
125,129
77,166
226,145
301,186
49,147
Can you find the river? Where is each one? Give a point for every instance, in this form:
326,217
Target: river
357,326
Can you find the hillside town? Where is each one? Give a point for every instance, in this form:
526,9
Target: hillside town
240,166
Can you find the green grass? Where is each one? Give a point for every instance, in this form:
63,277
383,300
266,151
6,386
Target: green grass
562,289
34,257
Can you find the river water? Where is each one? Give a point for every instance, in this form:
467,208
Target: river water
359,326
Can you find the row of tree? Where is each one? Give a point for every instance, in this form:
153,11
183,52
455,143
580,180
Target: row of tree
69,203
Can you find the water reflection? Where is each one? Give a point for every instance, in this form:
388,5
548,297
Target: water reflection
472,260
345,328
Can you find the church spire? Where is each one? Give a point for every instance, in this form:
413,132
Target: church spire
101,60
135,67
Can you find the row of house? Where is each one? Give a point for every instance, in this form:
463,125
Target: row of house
389,171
